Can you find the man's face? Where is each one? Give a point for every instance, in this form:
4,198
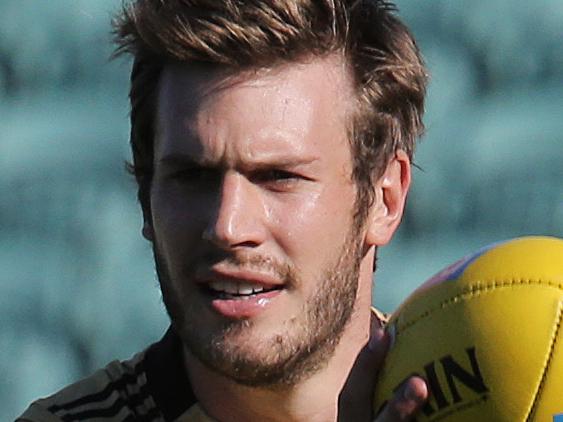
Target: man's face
252,216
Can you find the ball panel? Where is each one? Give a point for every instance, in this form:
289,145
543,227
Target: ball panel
528,258
536,259
550,395
441,348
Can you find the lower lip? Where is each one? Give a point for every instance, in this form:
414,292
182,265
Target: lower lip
245,308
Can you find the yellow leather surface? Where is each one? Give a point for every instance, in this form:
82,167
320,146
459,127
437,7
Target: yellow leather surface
490,338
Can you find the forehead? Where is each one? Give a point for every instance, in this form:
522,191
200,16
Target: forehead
202,106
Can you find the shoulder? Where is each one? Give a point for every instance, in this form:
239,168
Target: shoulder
152,386
116,392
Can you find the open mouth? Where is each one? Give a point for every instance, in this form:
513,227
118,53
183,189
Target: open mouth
229,290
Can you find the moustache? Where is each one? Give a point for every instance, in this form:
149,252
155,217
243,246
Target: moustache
282,271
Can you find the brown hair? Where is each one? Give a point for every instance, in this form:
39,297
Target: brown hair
389,76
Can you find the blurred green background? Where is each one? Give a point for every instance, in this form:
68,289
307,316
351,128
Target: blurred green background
77,283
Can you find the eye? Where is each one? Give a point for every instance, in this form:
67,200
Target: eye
278,180
273,176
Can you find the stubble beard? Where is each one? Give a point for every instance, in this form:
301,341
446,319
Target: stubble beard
293,353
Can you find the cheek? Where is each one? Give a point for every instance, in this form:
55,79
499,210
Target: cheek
176,217
308,229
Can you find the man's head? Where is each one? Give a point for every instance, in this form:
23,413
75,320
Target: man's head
384,63
270,141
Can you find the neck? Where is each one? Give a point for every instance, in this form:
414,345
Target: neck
313,399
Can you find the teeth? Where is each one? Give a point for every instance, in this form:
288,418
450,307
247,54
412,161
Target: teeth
236,288
244,289
230,288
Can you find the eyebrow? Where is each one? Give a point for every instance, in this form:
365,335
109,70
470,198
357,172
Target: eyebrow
186,160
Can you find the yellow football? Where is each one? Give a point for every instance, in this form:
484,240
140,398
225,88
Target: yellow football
486,334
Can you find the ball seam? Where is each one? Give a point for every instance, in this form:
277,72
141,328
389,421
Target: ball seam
470,292
547,363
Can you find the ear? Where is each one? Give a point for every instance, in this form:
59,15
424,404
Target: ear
389,202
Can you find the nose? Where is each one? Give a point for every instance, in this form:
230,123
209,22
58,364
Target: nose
237,219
